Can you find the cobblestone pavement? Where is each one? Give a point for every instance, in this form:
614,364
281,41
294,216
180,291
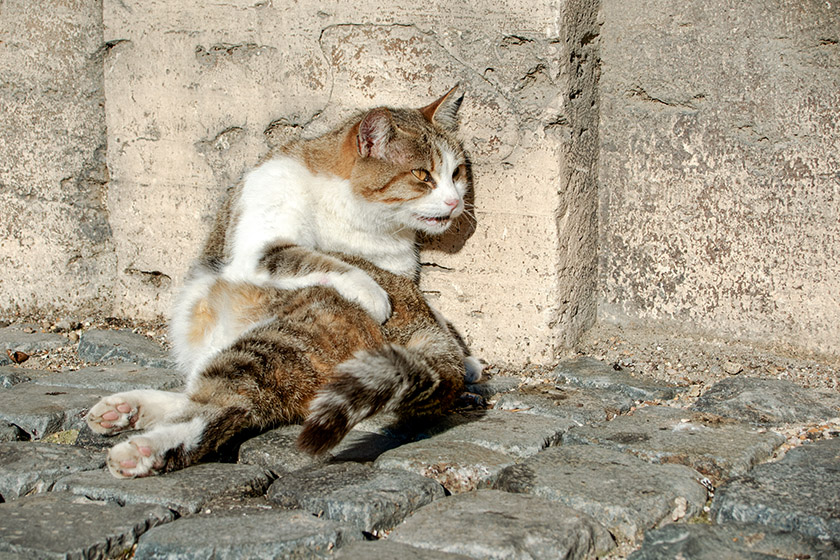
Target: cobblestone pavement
588,461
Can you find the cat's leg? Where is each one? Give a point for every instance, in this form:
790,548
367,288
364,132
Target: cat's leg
134,410
293,267
473,368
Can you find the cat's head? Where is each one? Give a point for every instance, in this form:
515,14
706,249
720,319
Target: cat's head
408,162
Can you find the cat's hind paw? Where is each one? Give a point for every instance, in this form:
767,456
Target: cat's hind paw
134,458
112,415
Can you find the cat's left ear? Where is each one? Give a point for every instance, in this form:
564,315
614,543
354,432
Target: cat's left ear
444,111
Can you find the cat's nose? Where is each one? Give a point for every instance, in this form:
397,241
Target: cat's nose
452,203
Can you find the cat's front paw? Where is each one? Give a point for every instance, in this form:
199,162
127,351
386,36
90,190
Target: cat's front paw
112,415
357,286
134,458
472,369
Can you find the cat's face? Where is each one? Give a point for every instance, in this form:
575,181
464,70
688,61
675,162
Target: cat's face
411,167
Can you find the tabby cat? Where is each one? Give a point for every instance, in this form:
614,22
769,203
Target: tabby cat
304,303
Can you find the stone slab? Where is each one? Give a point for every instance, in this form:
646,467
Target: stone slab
31,467
455,465
60,525
11,375
512,433
582,405
39,410
625,493
10,432
717,447
277,451
374,500
799,493
184,491
595,374
17,339
386,549
101,345
769,402
730,542
115,378
270,534
489,524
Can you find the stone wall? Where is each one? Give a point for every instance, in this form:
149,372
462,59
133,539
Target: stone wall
197,92
56,253
720,168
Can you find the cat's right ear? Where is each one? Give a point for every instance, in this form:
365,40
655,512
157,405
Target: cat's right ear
375,130
444,111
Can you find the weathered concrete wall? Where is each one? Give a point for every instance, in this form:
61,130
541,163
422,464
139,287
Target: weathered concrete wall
720,168
55,249
196,92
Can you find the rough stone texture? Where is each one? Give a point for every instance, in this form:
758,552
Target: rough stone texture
623,492
799,493
595,374
13,338
767,401
114,378
494,385
719,160
730,542
372,499
39,410
97,345
583,405
55,243
457,466
385,549
272,534
183,491
277,451
10,432
28,467
717,447
493,525
10,376
59,525
512,433
529,122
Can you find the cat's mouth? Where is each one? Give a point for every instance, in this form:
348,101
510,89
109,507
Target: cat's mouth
434,221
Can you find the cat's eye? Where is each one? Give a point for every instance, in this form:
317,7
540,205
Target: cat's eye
456,173
422,174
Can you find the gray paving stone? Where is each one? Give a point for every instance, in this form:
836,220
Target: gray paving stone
582,405
270,534
15,338
11,375
595,374
276,449
368,498
386,549
799,493
512,433
717,447
489,524
39,410
100,345
10,432
27,467
115,378
626,494
768,402
494,385
457,466
730,542
184,491
60,525
4,360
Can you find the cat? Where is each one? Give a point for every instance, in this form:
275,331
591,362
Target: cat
364,189
305,354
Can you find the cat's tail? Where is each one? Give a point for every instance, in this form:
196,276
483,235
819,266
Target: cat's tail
403,379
